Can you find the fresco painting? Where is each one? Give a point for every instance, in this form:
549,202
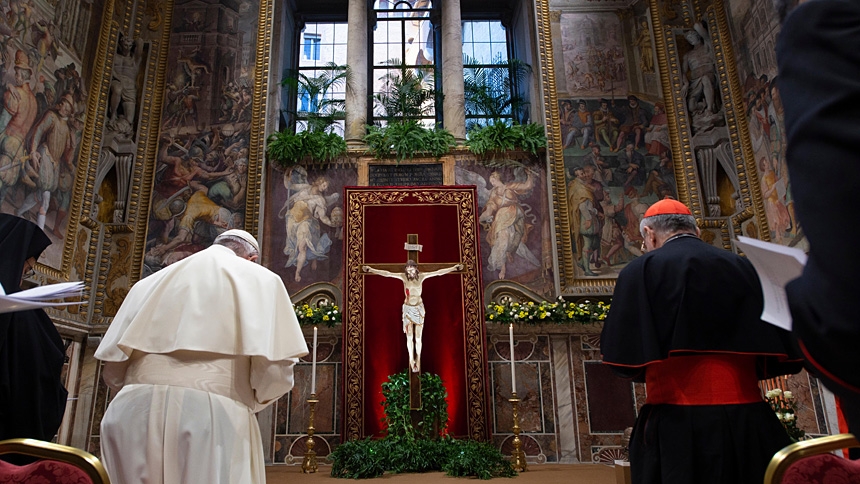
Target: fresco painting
594,56
201,176
617,163
512,213
755,28
44,46
304,224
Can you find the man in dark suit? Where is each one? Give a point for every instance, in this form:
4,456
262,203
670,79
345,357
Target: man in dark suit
818,53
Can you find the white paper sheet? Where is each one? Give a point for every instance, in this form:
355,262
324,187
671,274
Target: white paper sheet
776,266
41,296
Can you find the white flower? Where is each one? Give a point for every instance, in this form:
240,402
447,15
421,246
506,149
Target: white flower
788,417
769,394
779,415
787,394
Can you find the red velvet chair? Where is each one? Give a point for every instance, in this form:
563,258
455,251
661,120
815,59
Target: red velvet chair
58,464
810,462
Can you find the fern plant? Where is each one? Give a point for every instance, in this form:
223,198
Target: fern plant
501,137
422,447
405,140
286,148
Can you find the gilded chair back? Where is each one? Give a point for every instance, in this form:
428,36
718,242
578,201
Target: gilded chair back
817,461
77,458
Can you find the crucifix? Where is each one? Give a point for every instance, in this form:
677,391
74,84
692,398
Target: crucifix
413,305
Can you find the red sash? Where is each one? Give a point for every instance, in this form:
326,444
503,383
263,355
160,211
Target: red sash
713,379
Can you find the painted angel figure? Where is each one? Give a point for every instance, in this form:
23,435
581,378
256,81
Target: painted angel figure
503,216
306,208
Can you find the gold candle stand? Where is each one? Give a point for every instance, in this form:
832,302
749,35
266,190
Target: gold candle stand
518,457
309,464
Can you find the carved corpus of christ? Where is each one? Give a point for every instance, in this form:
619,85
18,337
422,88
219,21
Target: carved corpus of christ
413,305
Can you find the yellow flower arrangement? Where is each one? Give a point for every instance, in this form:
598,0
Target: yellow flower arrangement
323,314
545,312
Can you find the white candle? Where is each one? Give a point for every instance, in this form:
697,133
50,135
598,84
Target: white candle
513,370
314,365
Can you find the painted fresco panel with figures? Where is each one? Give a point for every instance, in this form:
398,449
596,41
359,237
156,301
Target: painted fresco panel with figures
755,27
201,176
615,169
614,137
45,47
304,224
594,56
514,219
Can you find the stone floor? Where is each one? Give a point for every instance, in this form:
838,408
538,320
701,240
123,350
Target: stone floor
536,474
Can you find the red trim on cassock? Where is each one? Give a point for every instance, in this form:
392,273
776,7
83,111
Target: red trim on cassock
824,371
716,379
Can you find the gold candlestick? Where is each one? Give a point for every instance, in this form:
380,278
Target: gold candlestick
518,457
309,464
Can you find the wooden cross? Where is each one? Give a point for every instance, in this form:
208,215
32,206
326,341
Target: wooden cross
412,248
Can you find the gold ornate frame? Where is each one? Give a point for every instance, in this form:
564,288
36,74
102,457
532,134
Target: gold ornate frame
354,345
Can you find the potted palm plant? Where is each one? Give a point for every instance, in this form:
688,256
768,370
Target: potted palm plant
407,96
314,137
491,96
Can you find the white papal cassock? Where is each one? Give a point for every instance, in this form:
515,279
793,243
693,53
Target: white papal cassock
195,350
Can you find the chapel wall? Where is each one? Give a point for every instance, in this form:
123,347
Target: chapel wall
195,69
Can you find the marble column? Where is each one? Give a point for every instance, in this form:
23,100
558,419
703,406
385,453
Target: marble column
356,88
453,107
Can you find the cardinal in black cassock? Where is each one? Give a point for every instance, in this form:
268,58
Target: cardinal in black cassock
32,396
685,319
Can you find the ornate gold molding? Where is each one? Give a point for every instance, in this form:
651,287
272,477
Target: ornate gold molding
353,322
669,62
90,140
257,143
143,175
554,149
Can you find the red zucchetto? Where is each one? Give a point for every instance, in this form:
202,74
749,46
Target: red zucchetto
667,206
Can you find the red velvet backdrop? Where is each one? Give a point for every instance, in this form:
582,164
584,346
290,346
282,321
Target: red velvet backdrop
373,304
444,349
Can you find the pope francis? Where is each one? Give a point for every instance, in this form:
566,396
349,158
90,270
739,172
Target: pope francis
194,351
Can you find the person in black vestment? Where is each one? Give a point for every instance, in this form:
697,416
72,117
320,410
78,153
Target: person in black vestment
685,319
818,53
32,397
